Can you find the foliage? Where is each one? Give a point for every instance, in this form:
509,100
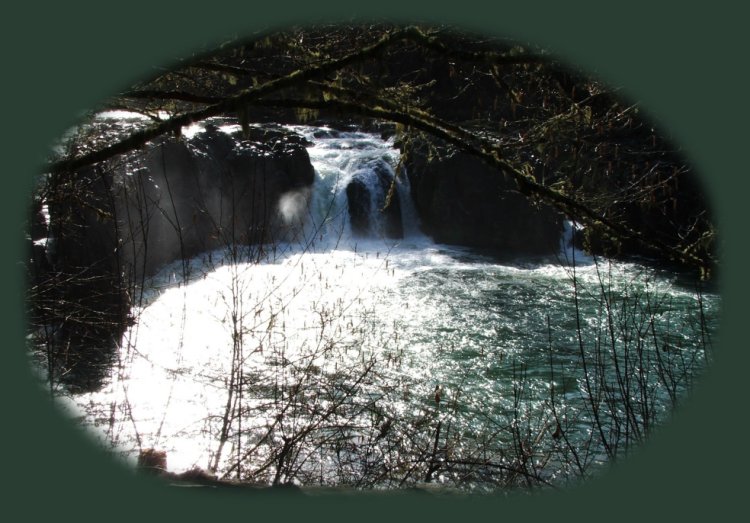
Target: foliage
563,138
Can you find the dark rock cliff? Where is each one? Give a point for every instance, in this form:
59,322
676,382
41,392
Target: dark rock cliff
112,225
462,201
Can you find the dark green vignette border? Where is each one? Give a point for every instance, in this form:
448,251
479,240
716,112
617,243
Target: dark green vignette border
684,62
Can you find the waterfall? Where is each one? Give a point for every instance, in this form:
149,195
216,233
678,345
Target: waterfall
354,171
362,327
353,176
569,252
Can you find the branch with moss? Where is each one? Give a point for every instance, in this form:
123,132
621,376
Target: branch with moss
318,91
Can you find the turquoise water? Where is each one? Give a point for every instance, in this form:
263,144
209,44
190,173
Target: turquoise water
319,364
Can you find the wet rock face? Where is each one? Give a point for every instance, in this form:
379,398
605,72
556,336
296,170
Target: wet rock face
393,226
212,191
181,197
384,217
358,198
117,224
462,201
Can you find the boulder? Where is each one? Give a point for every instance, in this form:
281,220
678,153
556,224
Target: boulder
358,201
371,188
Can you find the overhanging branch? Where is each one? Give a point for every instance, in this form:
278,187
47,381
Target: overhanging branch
491,154
229,105
371,105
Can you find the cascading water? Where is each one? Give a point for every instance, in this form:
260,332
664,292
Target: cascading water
343,159
318,361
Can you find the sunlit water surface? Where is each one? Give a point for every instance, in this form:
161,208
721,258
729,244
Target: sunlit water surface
232,359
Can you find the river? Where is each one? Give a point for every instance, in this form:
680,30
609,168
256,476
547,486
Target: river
341,360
